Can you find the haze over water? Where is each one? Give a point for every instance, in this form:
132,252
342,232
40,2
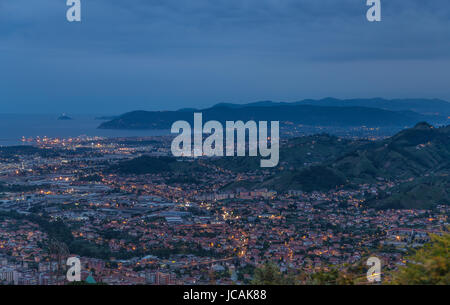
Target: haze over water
15,126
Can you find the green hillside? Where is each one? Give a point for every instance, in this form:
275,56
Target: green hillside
296,154
314,178
421,193
411,153
420,155
155,165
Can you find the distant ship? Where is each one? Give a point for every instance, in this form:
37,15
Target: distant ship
64,117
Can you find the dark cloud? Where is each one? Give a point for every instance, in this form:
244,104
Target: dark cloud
174,53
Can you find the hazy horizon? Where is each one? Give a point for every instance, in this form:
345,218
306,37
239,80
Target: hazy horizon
98,115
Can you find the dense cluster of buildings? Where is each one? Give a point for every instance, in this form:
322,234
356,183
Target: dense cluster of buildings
141,229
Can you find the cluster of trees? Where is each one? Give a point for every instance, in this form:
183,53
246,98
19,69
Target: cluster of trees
144,165
15,188
429,265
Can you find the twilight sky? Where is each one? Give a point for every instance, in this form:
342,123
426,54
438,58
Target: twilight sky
170,54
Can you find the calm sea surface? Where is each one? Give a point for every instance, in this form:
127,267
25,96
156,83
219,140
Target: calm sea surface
14,126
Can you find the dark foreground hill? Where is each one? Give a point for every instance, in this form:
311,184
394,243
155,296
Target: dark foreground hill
144,165
154,165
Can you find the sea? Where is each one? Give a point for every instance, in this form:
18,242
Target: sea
14,127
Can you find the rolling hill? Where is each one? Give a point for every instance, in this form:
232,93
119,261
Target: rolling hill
419,155
411,153
421,193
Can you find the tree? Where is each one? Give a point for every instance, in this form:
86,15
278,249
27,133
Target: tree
428,265
59,251
270,274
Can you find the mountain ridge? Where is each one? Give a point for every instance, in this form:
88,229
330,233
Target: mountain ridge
421,106
303,113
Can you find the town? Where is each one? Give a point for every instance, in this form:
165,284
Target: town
71,197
